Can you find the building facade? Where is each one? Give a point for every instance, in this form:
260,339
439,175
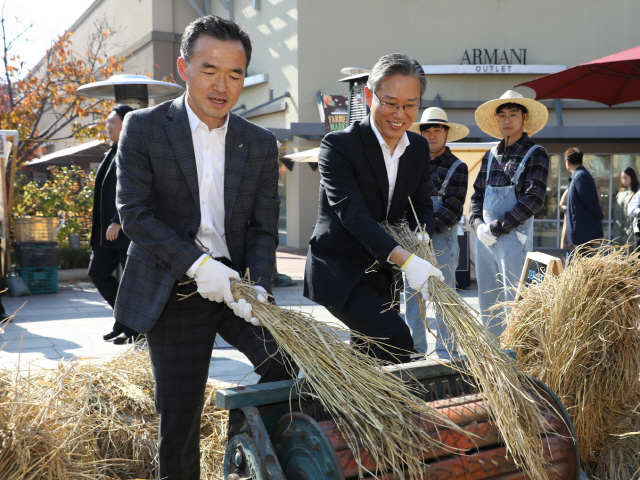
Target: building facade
472,52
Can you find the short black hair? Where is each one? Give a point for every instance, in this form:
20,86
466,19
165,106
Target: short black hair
122,110
573,155
522,108
216,27
427,126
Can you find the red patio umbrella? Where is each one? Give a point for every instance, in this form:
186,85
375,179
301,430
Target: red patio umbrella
610,80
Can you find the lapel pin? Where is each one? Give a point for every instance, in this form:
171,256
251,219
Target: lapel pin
240,146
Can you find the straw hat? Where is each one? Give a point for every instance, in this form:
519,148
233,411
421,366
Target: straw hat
438,116
537,114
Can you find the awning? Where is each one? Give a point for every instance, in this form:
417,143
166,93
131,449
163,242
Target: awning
307,156
71,155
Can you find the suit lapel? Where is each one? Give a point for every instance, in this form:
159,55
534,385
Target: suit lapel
178,132
235,154
373,152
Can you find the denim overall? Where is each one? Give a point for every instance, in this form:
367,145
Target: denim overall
447,251
498,267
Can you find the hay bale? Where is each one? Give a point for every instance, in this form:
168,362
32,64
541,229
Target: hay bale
92,421
579,334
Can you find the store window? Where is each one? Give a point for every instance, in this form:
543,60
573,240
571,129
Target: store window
605,170
282,193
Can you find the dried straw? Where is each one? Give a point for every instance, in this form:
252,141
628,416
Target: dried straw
372,407
92,421
579,333
506,393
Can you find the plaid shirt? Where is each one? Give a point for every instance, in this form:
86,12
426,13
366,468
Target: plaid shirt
448,215
530,191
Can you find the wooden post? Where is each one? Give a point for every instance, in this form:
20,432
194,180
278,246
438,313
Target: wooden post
9,200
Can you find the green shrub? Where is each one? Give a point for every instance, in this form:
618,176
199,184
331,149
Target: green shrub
68,194
73,257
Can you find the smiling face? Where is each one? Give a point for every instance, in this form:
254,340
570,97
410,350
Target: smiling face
393,122
215,77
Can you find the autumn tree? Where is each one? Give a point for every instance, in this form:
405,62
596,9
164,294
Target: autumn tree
42,104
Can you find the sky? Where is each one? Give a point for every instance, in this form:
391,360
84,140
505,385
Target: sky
49,18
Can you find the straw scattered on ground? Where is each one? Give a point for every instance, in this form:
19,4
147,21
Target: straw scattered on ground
579,334
506,393
91,421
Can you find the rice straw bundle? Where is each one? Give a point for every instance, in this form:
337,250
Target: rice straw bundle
370,405
38,434
506,393
31,440
579,333
82,421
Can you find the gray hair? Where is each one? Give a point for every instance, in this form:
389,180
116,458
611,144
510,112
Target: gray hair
396,64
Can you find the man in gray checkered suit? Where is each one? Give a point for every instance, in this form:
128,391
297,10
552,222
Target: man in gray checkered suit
193,178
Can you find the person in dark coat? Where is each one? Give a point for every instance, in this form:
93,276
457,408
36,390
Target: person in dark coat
369,173
108,243
584,214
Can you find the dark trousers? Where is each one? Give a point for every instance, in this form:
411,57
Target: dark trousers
636,242
180,345
368,311
103,263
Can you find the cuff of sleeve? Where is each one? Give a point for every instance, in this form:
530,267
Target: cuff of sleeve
475,224
389,257
192,269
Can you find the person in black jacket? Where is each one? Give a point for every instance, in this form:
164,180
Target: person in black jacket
369,173
584,214
108,243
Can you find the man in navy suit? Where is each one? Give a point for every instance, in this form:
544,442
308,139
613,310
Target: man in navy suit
195,178
368,174
584,214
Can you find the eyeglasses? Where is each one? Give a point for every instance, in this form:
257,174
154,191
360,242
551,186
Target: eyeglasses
389,107
502,117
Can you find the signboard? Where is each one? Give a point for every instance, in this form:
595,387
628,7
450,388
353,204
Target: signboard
489,69
336,112
537,265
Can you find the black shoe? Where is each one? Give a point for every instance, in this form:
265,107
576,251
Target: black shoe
111,335
129,339
118,328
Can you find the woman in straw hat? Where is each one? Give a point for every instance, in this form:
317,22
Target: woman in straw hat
509,190
449,181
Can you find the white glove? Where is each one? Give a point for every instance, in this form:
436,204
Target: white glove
243,309
485,236
423,236
212,278
417,272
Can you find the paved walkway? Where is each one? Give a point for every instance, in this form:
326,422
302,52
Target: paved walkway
52,327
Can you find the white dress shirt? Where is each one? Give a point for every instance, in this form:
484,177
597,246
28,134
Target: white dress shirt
391,161
208,146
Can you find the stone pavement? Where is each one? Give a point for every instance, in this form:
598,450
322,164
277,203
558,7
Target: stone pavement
52,327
